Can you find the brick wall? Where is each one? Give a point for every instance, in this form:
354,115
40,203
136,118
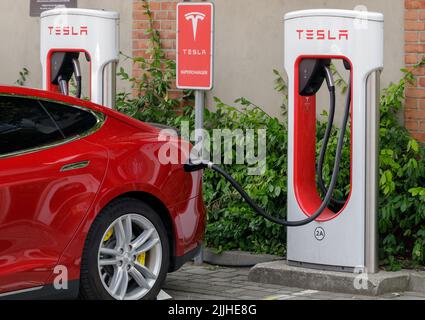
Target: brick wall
414,52
164,13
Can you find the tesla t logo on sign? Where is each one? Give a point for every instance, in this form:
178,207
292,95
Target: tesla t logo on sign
195,17
195,30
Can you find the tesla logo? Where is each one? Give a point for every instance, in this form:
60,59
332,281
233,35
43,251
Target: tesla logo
195,17
68,31
322,34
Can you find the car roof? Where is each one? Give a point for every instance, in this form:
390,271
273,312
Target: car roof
57,97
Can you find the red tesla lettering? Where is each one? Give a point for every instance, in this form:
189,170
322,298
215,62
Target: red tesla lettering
300,33
310,34
68,30
330,37
343,34
321,35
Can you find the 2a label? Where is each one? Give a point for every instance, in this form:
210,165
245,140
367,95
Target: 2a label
319,234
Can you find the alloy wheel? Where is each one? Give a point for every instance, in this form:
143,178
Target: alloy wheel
130,257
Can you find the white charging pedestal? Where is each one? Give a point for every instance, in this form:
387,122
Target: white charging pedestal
94,33
345,240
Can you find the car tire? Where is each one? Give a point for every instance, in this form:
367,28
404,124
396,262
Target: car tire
99,282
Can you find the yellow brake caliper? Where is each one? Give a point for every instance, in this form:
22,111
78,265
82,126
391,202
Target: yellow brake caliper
142,258
109,235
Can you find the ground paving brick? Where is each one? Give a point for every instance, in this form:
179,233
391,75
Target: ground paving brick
213,283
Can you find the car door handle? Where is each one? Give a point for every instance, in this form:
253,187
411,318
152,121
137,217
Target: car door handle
75,166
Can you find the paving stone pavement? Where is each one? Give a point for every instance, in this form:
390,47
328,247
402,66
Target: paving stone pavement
216,283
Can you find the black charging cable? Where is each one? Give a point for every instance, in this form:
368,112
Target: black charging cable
331,86
199,165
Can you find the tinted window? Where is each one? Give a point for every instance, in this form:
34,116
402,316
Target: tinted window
72,121
24,125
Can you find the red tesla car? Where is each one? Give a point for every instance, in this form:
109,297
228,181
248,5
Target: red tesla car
86,206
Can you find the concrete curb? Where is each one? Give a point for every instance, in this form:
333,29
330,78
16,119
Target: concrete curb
236,258
377,284
417,282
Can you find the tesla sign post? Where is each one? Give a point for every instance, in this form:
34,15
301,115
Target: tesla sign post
195,53
195,56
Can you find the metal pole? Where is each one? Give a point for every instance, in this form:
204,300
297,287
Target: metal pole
199,115
372,165
199,126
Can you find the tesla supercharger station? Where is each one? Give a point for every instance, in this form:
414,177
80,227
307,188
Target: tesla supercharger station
94,35
347,239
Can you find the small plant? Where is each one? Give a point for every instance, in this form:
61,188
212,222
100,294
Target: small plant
152,101
231,222
282,88
402,171
402,177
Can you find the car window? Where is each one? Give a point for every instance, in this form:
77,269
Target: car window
25,125
72,121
